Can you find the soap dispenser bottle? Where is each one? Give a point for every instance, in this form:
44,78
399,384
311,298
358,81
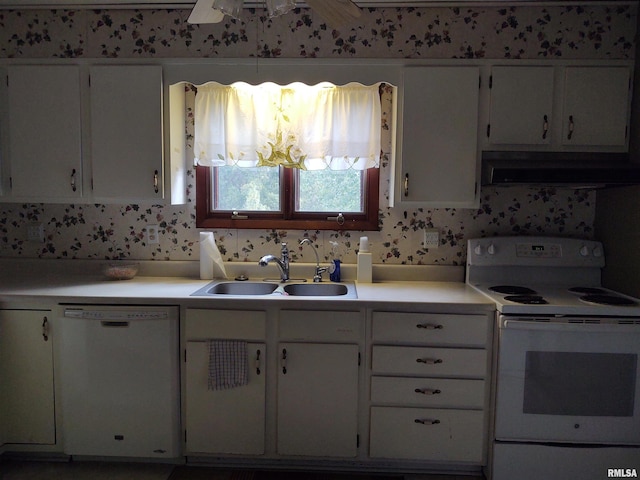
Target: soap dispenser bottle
365,266
334,268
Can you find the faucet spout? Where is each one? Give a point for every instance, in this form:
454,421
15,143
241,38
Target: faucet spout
317,277
282,262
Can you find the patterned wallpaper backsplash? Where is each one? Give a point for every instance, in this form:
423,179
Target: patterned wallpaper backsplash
118,231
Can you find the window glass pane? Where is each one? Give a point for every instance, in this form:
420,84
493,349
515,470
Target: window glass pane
330,191
246,189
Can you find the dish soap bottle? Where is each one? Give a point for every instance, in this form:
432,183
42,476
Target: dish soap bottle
334,268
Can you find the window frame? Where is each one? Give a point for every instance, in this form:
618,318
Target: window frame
288,218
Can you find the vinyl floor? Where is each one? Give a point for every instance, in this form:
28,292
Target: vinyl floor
87,470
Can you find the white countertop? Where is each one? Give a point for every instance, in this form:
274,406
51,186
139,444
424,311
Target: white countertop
52,284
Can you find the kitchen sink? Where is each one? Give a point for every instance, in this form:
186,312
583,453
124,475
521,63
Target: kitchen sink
295,289
316,289
238,288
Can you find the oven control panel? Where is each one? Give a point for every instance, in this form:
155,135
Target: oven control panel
539,250
535,251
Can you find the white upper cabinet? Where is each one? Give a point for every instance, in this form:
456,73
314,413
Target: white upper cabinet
521,105
596,106
45,145
83,134
126,132
438,137
559,108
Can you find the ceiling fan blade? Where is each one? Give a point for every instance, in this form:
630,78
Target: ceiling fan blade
203,12
337,13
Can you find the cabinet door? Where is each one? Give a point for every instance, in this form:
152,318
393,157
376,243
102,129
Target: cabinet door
318,399
596,106
27,413
126,132
45,144
228,421
521,105
439,151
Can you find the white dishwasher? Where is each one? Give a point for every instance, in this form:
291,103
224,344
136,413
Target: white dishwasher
120,380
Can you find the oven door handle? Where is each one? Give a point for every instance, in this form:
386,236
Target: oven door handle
552,325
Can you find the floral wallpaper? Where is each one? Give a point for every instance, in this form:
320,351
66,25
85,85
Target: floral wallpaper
118,231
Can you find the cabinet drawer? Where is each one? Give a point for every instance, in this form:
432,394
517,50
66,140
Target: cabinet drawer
318,325
428,392
232,324
434,329
429,362
427,434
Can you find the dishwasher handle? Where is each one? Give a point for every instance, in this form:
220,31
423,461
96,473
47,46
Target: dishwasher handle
114,324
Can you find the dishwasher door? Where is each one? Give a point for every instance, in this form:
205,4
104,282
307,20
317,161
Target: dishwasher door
120,381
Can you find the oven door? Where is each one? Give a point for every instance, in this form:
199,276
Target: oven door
568,382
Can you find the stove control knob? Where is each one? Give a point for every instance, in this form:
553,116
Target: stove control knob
597,252
491,250
584,251
479,250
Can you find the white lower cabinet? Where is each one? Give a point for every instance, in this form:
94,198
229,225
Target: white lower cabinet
429,377
227,421
317,404
27,406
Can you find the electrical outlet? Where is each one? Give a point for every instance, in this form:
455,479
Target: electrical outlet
35,232
153,235
431,238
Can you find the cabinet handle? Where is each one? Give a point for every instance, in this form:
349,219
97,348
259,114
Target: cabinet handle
283,361
258,362
406,184
427,421
45,329
155,181
428,391
429,326
571,125
545,127
73,180
429,361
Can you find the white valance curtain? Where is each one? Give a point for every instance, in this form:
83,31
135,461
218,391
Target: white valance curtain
297,125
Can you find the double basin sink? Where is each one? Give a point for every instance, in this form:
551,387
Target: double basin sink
296,289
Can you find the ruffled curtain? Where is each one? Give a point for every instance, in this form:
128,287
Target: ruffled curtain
299,126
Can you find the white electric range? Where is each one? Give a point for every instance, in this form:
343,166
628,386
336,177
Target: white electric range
567,381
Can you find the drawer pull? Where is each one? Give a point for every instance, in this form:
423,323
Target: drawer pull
429,361
429,326
428,391
427,421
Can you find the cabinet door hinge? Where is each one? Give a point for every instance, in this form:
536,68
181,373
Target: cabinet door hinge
185,355
357,441
490,82
488,130
185,436
359,359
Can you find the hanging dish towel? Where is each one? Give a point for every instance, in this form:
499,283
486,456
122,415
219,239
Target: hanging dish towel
228,364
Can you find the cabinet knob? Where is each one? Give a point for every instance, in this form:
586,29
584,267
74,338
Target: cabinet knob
257,364
45,329
406,184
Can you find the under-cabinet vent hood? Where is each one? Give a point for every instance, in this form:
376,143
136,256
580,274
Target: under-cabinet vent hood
577,170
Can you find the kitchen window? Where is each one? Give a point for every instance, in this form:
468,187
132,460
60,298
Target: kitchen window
295,156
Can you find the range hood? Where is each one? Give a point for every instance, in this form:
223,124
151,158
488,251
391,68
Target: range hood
572,169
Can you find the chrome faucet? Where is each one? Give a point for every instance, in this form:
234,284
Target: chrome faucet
282,262
317,277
